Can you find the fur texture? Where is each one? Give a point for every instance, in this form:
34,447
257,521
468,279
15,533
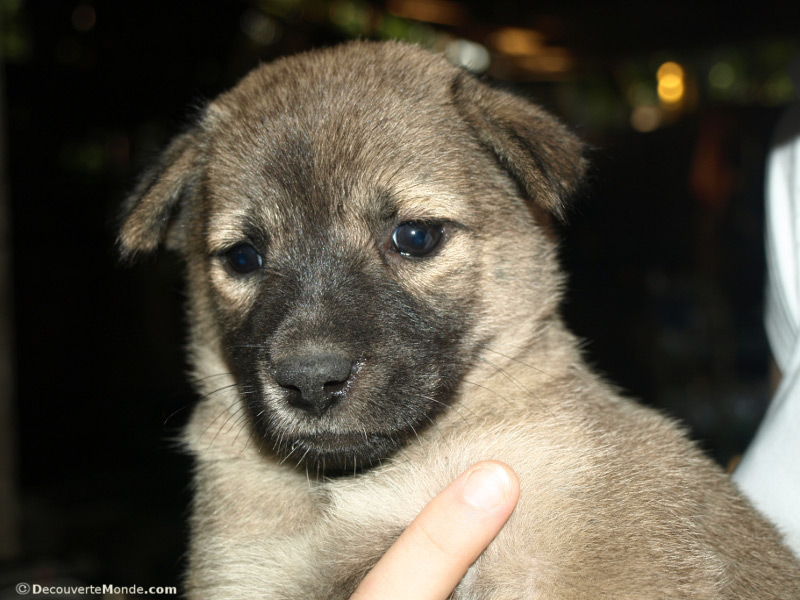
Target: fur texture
314,163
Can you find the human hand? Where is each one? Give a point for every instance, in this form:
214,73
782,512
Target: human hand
429,559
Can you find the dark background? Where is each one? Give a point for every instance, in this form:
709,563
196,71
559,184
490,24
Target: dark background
664,249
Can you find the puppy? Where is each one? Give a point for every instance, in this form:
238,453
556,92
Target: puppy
373,307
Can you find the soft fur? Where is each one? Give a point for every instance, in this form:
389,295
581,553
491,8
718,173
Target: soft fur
458,356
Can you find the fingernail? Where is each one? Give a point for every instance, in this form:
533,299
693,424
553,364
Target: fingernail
487,487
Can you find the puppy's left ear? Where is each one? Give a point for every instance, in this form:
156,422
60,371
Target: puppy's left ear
149,213
539,152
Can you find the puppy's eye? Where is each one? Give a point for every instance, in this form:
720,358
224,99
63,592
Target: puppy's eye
243,258
417,238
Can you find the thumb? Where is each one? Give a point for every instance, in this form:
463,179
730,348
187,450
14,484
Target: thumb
432,555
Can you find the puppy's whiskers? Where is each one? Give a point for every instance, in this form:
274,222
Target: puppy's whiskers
505,374
175,412
235,413
490,390
527,392
243,423
238,414
411,425
197,380
291,451
520,362
454,407
225,408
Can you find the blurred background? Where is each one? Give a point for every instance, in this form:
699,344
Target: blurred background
664,250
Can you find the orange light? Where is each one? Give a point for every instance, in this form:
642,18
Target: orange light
443,12
671,86
516,41
670,68
550,60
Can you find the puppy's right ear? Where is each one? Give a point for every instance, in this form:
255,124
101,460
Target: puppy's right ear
149,214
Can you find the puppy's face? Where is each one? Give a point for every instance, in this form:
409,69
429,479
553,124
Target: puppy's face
338,284
350,220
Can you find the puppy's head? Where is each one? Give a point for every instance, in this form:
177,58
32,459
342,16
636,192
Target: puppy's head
357,224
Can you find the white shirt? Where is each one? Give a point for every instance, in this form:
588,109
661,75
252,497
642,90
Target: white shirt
769,472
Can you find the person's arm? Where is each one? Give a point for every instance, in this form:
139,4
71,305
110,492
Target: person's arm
429,559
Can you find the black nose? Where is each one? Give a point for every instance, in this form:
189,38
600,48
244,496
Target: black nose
315,382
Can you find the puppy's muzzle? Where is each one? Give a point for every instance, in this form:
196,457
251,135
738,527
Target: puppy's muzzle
314,383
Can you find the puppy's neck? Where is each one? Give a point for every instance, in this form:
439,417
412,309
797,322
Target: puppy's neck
515,369
545,346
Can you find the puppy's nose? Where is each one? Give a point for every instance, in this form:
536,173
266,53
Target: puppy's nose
315,382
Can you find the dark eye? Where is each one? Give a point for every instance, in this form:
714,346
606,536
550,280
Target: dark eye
243,258
417,238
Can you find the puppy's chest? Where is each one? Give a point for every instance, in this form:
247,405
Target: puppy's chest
333,549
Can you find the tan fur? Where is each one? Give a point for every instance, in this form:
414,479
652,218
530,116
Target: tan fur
616,502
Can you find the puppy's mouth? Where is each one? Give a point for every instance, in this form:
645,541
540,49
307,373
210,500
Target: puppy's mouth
329,413
338,453
336,417
342,405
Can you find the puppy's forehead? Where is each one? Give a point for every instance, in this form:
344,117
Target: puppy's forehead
315,138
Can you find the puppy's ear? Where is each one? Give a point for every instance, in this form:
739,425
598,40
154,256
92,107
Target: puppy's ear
539,152
149,213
